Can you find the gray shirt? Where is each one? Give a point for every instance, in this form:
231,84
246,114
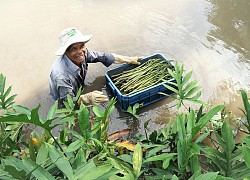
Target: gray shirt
65,76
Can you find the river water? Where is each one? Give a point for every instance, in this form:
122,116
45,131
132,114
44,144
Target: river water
209,37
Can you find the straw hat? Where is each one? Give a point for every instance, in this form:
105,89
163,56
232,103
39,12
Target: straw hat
70,36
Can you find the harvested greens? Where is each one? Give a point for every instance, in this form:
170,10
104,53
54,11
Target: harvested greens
148,74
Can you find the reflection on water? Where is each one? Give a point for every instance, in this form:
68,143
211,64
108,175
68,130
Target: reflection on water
210,37
231,26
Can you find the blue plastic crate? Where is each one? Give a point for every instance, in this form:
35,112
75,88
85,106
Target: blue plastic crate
145,97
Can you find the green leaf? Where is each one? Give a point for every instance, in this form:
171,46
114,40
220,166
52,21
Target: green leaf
98,112
210,176
216,153
80,159
83,118
61,161
247,141
75,145
246,105
171,88
92,171
187,77
191,121
192,91
202,137
70,101
37,171
22,109
42,155
195,165
7,92
227,135
160,157
204,119
109,174
10,100
246,154
166,162
154,150
137,159
194,98
190,86
52,111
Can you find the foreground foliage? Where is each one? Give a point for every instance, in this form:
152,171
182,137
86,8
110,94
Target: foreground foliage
83,149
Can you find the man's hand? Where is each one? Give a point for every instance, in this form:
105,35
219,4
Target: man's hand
93,98
119,59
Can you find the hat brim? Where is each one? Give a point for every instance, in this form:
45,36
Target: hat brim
76,39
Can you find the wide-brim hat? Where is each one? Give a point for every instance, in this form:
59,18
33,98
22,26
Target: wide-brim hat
70,36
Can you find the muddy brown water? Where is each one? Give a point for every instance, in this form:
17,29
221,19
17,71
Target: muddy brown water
210,37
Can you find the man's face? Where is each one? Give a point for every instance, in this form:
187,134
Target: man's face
76,52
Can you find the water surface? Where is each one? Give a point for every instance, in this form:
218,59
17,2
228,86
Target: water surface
210,37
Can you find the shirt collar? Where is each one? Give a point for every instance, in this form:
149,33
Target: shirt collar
70,64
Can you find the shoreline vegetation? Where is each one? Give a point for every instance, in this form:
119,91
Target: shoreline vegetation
177,151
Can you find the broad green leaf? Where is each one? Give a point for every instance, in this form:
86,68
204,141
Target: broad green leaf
171,73
208,176
65,120
156,149
22,109
39,172
7,92
220,140
61,161
109,174
94,172
80,159
246,154
171,82
187,77
174,177
190,85
227,135
202,137
218,162
52,111
15,172
10,100
98,112
166,162
171,88
247,141
194,98
246,105
137,159
126,158
191,121
195,165
42,155
192,91
166,131
70,101
83,119
75,145
204,119
125,169
159,157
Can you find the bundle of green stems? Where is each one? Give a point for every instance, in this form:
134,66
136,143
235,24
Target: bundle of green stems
148,74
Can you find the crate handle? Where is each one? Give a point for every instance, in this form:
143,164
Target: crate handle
112,88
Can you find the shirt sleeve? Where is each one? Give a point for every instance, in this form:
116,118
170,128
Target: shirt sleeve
105,58
64,87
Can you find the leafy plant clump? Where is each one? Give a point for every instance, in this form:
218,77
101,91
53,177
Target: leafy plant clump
84,149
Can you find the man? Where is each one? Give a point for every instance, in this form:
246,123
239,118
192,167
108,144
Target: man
68,72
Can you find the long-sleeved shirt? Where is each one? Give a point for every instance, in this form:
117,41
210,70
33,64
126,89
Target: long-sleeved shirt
65,76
